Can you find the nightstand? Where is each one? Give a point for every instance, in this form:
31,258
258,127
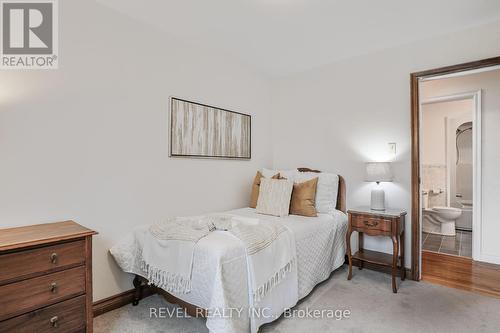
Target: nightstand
389,223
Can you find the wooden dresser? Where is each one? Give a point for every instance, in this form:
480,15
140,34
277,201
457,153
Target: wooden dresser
46,278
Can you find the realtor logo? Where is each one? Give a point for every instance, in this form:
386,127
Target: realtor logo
29,34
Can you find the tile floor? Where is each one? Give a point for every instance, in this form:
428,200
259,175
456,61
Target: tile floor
459,245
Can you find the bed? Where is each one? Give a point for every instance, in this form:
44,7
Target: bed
219,278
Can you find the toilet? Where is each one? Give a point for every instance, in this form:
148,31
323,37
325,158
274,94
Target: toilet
440,220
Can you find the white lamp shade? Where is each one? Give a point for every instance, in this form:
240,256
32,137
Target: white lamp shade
378,172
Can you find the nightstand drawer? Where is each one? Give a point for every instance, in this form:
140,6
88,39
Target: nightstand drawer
371,223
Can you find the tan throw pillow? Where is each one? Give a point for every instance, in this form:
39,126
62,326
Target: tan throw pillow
304,198
255,188
274,197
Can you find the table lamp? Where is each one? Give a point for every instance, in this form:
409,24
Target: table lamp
378,172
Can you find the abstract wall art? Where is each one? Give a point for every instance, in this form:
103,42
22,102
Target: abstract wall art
203,131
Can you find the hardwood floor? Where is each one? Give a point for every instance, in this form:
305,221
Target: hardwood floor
460,272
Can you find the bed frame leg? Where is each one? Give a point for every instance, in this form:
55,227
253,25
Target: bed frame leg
138,289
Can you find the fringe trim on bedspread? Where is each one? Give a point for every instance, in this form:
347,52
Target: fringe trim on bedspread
167,281
264,289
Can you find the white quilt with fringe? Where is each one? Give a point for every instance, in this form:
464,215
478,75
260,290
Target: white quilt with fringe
220,277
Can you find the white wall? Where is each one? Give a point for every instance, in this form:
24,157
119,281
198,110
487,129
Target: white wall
438,148
433,127
489,83
339,116
89,141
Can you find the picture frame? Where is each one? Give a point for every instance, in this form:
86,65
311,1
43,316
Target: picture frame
199,130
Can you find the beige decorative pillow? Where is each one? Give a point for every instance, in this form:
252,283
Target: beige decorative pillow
303,198
274,197
255,188
326,192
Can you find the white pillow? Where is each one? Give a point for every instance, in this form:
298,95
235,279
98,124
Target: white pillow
326,192
288,174
274,197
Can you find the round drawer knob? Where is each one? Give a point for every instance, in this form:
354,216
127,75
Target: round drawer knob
53,258
53,287
53,321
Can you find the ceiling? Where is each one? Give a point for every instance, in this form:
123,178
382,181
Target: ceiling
280,37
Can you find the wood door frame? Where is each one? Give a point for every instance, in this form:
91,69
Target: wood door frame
415,148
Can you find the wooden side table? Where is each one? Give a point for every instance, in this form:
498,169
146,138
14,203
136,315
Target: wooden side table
389,223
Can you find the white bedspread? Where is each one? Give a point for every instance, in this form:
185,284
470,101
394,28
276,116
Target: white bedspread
220,278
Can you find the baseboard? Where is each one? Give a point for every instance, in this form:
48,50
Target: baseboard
119,300
489,259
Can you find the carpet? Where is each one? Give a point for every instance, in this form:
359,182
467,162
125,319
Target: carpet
417,307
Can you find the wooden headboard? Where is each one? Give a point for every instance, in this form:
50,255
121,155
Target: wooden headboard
341,196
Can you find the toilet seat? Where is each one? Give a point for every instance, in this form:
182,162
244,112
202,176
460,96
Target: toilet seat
444,209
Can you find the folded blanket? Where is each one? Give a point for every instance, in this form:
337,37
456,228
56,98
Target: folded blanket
167,255
270,252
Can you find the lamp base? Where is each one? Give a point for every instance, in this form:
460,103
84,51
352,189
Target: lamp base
378,199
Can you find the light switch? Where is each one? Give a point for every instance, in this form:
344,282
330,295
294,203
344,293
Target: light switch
392,148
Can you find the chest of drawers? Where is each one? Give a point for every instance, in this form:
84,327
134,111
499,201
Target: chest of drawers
46,278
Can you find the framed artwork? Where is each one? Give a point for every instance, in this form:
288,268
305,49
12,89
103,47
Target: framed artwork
204,131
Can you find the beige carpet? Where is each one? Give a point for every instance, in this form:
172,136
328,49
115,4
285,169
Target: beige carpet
418,307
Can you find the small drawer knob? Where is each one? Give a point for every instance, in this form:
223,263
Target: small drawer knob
53,321
53,287
53,258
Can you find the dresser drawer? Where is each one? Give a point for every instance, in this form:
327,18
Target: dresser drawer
64,317
28,295
20,265
368,223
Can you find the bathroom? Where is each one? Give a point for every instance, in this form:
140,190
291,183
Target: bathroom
455,175
447,174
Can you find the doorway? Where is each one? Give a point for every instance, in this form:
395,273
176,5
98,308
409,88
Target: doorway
446,178
450,155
